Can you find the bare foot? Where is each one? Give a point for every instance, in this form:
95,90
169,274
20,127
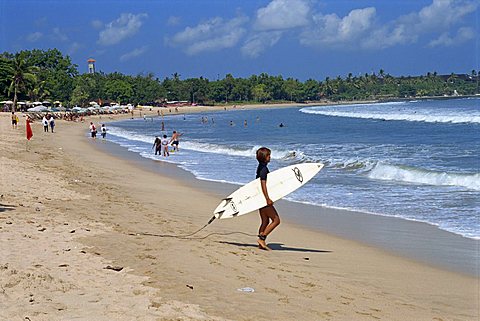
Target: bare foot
262,245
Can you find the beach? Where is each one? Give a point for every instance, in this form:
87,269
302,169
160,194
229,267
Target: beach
83,238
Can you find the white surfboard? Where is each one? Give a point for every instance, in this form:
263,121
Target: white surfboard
280,183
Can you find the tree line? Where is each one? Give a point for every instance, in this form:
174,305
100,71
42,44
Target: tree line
38,75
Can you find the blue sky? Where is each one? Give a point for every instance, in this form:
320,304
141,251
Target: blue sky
210,38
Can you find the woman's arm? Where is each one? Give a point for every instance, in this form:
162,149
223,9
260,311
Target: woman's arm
265,192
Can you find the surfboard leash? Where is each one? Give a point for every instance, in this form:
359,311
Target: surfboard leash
185,236
189,236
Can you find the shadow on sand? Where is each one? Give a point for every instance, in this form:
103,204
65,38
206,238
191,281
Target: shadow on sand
278,247
4,208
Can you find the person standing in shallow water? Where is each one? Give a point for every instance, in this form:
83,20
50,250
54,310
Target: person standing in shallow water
157,144
268,214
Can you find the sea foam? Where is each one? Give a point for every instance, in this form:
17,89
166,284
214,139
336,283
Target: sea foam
420,176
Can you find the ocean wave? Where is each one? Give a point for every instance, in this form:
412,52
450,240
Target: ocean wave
278,154
129,135
390,103
413,117
420,176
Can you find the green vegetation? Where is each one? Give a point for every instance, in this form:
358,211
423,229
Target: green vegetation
47,74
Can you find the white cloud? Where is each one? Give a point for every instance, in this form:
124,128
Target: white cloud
173,21
125,26
35,36
440,16
283,14
214,34
258,43
59,35
444,13
96,24
134,53
463,35
331,30
73,48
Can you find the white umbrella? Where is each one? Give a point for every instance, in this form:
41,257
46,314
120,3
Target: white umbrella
46,102
21,103
37,103
8,102
38,108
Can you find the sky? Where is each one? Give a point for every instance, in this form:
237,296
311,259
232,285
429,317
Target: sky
301,39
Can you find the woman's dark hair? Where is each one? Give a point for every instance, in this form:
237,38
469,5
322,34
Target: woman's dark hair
262,154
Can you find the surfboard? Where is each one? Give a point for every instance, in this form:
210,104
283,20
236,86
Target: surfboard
280,183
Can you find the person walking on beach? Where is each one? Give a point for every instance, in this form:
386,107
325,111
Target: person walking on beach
268,214
45,124
93,130
157,144
52,123
103,131
165,142
175,140
14,120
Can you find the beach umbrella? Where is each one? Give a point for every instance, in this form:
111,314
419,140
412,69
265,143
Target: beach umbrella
79,110
37,103
46,102
40,108
21,103
8,102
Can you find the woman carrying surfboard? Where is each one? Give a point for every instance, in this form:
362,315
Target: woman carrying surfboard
268,214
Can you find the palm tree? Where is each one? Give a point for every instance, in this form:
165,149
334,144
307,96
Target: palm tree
20,74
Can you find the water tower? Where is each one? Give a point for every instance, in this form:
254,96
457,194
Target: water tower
91,66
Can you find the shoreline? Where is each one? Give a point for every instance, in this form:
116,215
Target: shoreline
411,239
73,211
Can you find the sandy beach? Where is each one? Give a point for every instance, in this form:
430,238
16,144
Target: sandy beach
77,242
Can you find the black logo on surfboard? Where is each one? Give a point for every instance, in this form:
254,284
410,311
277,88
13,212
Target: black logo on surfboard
234,207
298,174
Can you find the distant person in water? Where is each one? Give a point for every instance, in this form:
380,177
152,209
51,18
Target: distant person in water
103,131
93,130
268,214
281,125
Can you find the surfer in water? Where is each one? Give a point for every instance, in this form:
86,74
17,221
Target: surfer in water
268,214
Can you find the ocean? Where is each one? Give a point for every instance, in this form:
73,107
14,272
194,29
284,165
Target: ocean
415,160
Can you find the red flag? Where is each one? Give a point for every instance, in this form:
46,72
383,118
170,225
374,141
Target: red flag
29,130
